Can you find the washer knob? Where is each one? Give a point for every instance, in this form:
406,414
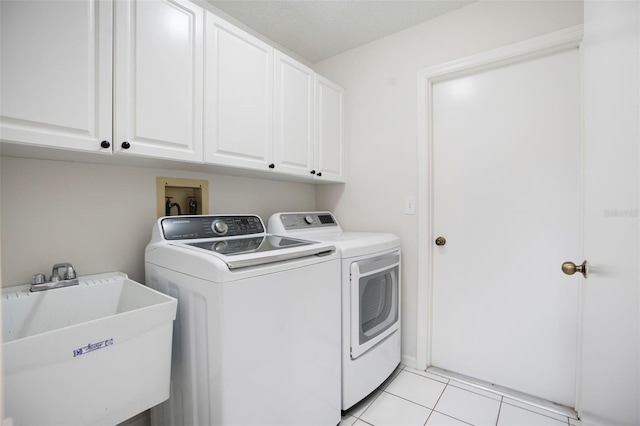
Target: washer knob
309,219
219,227
220,246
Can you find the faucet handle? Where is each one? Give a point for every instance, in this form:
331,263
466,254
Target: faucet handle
69,272
38,279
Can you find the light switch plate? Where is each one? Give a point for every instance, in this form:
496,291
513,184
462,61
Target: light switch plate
410,204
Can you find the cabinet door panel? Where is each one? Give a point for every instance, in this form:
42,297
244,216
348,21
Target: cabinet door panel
55,76
293,116
329,138
158,81
239,96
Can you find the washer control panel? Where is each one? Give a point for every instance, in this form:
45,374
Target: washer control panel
210,226
296,221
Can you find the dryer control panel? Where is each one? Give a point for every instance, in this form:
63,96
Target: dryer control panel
210,226
286,222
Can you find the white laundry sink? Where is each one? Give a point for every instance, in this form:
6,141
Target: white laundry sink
96,353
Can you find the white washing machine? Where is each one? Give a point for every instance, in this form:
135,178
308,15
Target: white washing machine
370,297
257,334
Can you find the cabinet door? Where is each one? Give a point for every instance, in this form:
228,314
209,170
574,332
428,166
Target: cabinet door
294,101
329,130
158,79
238,98
55,73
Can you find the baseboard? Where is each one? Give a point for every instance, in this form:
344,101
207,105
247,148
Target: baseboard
409,361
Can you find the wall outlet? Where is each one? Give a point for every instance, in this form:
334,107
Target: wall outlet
410,204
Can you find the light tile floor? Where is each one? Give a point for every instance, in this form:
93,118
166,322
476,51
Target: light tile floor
415,398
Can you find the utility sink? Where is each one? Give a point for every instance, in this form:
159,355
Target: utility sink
96,353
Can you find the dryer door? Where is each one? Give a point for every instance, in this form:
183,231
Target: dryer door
375,301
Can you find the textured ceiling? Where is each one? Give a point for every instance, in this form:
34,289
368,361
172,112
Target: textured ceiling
319,29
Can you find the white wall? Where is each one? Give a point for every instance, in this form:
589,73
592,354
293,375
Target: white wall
380,81
611,308
99,217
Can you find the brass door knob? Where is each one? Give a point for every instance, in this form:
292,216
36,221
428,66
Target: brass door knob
571,268
440,241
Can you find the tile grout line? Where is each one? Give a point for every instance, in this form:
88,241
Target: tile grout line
440,397
507,393
436,404
381,389
502,401
499,409
451,417
541,414
408,400
464,390
428,417
369,405
469,388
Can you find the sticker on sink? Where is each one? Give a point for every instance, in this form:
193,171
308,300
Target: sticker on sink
92,347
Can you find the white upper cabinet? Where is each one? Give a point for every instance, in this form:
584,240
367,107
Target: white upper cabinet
58,83
329,130
158,81
163,79
238,127
294,108
308,122
55,75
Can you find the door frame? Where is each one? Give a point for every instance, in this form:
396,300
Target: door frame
540,46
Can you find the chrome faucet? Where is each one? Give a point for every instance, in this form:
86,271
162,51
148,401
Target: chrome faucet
68,278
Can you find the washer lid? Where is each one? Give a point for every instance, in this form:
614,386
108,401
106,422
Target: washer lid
237,246
259,250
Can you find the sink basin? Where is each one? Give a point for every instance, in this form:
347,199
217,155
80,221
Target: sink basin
97,353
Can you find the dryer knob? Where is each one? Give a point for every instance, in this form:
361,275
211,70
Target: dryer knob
219,227
309,219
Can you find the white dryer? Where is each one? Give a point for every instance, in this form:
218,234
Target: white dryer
370,297
257,334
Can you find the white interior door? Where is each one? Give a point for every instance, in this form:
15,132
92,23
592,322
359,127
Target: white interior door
507,198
